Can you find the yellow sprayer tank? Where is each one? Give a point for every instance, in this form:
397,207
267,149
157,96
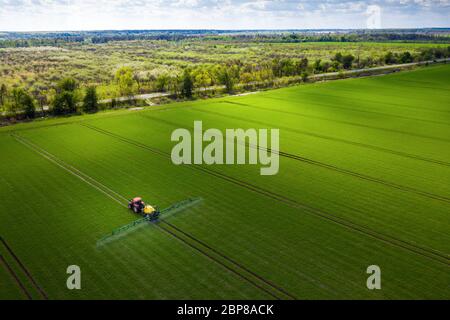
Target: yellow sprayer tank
149,209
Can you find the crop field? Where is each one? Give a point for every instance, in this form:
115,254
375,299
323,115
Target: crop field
363,180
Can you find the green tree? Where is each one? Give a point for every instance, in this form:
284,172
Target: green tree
276,67
338,57
22,102
246,78
40,96
406,57
438,53
317,66
301,66
187,84
28,105
226,79
324,66
90,101
347,61
287,67
162,82
125,79
202,79
389,58
65,100
174,84
3,94
64,103
67,84
16,102
426,55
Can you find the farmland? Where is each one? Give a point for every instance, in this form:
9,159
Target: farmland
363,180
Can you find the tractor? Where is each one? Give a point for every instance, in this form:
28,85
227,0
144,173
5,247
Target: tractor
139,207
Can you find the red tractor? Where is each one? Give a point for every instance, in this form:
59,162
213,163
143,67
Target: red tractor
139,207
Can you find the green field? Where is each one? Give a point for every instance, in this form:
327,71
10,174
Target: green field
364,179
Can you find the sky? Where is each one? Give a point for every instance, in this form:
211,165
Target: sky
60,15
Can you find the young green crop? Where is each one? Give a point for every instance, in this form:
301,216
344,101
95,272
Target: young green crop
366,184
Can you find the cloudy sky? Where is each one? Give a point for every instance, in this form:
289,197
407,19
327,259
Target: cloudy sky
40,15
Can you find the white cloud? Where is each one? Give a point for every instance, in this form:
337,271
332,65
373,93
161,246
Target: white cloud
215,14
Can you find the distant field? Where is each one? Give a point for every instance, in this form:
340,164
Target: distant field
363,180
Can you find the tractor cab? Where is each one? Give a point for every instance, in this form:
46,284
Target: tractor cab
139,207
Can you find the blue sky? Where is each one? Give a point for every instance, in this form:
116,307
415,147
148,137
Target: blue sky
40,15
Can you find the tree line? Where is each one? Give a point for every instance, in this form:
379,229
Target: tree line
362,36
17,40
68,97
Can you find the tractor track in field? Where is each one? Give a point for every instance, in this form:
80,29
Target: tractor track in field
360,176
24,269
398,105
209,256
15,278
280,289
411,247
328,166
389,115
325,137
81,120
177,234
72,170
337,121
403,81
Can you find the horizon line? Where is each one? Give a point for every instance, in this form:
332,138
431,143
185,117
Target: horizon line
224,30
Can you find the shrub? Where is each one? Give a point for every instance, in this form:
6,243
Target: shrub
90,102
